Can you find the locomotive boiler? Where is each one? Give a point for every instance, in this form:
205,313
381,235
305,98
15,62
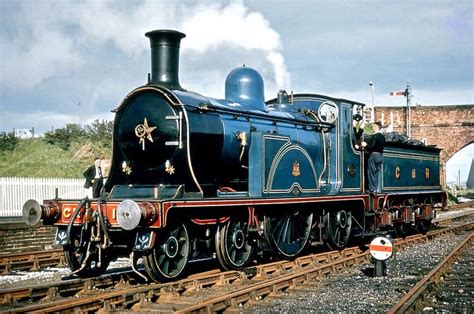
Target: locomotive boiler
195,178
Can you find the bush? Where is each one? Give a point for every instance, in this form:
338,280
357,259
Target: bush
8,141
64,137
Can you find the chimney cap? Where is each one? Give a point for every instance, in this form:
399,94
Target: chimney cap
161,32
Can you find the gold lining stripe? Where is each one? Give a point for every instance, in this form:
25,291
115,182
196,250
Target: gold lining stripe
420,187
385,155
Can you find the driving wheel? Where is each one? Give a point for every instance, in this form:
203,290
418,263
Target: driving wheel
169,256
288,235
338,229
82,256
232,244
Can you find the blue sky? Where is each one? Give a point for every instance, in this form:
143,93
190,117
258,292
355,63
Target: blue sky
73,61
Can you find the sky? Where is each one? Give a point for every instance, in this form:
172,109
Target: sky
74,61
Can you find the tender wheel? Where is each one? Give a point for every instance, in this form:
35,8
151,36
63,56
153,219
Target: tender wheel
338,229
80,251
169,256
402,230
232,247
422,226
288,235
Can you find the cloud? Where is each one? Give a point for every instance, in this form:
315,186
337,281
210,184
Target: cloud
37,50
43,120
234,26
59,42
54,53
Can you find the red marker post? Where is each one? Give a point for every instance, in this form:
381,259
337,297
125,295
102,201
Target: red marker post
381,249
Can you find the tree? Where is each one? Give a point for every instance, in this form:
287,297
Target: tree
65,136
8,141
100,132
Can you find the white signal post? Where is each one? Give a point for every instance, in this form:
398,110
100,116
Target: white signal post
372,109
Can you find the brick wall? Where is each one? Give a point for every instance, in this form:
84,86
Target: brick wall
448,127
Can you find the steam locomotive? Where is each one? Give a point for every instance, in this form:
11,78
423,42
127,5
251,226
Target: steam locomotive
195,178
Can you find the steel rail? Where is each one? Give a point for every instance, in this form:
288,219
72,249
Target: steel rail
409,302
32,261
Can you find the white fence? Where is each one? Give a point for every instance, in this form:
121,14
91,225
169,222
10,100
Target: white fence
14,192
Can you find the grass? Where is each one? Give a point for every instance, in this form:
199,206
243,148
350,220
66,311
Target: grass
35,158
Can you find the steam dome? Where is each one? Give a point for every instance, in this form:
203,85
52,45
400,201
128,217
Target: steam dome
244,85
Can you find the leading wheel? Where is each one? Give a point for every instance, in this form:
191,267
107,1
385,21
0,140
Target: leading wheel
232,247
288,235
338,229
169,256
84,258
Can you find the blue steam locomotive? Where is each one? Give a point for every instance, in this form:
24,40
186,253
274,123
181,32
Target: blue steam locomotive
195,178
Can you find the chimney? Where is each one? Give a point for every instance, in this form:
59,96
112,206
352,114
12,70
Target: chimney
165,57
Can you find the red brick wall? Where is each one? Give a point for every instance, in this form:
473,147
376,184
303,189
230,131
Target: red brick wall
448,127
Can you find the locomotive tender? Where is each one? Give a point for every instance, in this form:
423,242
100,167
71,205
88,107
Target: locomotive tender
194,178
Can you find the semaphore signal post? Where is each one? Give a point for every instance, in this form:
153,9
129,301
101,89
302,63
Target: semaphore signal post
408,94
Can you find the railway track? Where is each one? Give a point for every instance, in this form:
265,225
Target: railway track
31,261
229,289
36,260
442,283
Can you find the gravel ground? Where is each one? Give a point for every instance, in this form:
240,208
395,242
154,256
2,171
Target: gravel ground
354,291
456,290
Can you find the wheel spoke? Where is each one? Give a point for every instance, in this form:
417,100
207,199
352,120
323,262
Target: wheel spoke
160,260
279,231
286,234
298,229
165,266
290,237
233,255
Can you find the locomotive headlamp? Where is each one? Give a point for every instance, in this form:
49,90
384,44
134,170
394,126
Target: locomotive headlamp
131,214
